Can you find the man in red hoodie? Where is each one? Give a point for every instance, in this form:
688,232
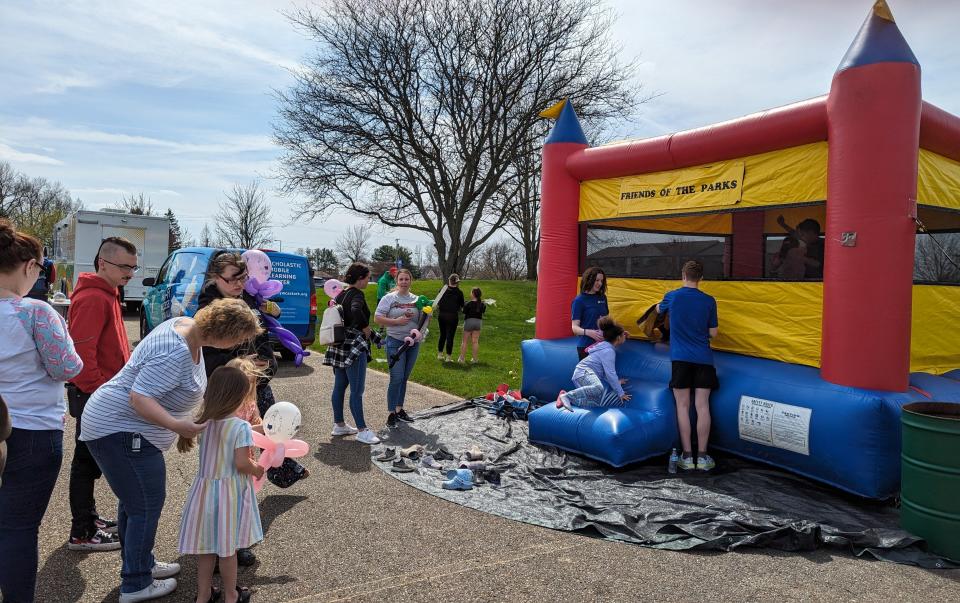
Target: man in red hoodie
96,327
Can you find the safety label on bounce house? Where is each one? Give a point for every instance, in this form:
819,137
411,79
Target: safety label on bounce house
775,424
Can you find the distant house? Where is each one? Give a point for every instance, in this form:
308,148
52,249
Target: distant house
659,260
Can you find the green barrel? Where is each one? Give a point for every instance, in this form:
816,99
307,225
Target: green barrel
930,487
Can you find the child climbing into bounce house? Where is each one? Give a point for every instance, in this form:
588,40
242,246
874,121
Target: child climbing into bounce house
693,322
600,360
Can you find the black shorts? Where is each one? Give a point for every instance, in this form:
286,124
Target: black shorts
688,375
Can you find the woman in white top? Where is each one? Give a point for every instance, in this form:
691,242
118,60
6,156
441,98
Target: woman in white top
131,419
36,357
399,313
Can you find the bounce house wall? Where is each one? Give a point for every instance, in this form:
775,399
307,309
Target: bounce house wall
773,412
874,129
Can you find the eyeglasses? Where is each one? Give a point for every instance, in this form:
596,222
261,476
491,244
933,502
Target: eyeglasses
237,279
124,267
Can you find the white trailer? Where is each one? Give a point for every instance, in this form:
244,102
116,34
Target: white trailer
77,238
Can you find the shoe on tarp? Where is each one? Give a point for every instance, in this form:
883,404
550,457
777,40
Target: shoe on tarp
388,454
401,466
459,479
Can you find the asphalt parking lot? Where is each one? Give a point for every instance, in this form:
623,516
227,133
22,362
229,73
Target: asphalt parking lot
350,532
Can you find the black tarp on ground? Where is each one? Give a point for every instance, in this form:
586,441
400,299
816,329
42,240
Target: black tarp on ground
740,503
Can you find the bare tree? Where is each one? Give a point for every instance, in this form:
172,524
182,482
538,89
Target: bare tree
500,260
206,237
34,205
523,217
138,204
244,218
353,244
415,112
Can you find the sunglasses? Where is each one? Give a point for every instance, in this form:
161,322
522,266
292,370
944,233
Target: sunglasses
237,279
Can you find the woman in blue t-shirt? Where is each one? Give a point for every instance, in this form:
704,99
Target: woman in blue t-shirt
588,307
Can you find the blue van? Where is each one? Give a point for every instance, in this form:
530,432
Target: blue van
176,291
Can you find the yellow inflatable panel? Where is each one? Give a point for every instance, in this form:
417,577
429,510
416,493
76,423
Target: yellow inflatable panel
767,319
786,176
938,181
935,329
781,321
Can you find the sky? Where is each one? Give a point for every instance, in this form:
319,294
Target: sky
175,99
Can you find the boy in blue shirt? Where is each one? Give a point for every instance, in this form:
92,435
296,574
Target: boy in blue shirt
693,322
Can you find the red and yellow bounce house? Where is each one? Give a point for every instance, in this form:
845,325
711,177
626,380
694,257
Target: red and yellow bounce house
813,371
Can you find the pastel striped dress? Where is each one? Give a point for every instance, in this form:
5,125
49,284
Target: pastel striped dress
221,515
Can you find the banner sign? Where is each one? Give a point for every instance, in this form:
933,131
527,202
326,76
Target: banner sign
693,188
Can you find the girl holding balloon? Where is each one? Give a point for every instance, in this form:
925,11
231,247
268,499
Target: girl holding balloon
220,515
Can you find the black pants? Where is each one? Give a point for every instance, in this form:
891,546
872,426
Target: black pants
448,330
84,471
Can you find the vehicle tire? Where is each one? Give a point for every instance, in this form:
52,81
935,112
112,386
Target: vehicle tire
132,306
143,325
286,354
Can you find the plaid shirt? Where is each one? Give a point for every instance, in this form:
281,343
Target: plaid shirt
354,344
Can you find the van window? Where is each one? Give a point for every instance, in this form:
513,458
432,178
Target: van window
184,268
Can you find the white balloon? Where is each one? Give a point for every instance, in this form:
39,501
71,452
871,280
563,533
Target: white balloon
281,421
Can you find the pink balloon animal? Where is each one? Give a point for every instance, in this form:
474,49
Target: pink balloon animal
273,454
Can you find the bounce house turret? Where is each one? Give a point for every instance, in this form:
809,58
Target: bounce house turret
873,117
559,231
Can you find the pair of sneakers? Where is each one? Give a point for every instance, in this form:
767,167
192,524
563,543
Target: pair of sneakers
394,418
103,538
163,584
365,436
703,462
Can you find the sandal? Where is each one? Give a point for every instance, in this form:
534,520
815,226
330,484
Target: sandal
214,595
243,594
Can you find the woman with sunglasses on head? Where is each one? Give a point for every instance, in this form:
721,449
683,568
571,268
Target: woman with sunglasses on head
36,358
225,279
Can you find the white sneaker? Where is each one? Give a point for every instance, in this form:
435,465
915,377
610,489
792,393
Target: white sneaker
342,430
368,437
159,588
165,570
439,355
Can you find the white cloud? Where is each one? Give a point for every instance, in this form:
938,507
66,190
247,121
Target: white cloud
8,153
58,84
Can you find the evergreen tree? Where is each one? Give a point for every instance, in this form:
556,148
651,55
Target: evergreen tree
176,233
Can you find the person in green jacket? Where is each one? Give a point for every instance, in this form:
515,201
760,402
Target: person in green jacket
386,283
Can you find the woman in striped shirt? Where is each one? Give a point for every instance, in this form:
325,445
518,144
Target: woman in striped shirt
130,420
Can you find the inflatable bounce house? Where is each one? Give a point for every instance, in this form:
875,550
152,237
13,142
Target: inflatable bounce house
813,369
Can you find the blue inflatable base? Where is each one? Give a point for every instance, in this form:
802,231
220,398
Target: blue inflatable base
773,412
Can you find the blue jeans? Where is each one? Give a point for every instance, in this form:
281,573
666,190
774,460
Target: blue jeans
591,392
400,372
356,376
33,463
137,474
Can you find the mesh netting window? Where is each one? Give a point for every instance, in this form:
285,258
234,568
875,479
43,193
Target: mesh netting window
637,254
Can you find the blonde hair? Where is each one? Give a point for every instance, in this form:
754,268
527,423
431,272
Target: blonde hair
227,388
228,319
397,278
250,369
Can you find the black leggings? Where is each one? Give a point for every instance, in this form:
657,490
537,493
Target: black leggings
448,330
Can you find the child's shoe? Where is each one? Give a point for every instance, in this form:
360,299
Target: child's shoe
705,463
459,479
157,589
687,463
343,430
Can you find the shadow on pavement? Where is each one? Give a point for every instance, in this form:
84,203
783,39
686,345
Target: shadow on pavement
60,579
348,455
275,505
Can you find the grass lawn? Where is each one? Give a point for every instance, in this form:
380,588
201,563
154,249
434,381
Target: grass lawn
504,327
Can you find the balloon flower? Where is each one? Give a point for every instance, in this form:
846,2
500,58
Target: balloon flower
332,287
262,288
280,423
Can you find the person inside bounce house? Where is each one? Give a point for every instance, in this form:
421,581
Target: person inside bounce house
587,309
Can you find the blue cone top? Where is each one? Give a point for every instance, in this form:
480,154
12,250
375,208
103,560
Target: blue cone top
878,41
567,128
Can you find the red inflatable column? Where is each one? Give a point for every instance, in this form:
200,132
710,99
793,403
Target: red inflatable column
559,240
873,114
